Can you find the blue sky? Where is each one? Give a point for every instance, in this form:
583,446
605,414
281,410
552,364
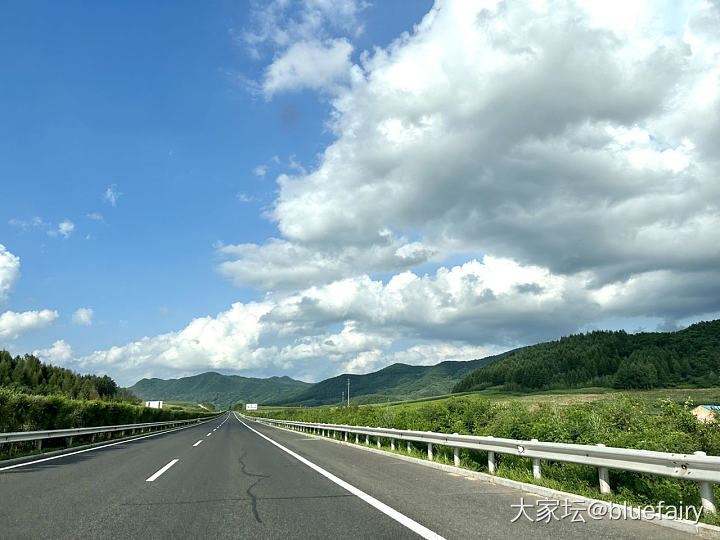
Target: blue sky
333,186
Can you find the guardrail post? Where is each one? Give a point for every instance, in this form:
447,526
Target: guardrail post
536,464
68,441
367,439
604,477
456,454
357,438
378,441
392,444
409,447
706,492
430,451
491,462
39,444
346,436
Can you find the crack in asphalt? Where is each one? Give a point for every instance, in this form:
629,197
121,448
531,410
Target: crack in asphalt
248,491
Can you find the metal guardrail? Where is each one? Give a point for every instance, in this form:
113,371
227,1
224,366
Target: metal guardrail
68,434
703,469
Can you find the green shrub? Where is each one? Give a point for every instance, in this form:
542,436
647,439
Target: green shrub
24,412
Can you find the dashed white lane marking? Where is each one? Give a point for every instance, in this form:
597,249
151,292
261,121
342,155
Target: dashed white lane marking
372,501
209,434
161,471
198,442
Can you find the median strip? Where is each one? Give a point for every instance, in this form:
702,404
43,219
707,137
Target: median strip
161,471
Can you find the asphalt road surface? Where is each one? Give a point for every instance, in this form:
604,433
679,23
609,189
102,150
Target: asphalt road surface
231,478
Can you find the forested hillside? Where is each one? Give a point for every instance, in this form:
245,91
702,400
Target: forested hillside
609,359
393,383
221,390
28,375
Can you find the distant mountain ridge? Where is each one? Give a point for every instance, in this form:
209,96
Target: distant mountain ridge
221,390
611,359
393,383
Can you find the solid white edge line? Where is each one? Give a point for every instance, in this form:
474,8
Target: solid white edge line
161,471
93,448
198,442
372,501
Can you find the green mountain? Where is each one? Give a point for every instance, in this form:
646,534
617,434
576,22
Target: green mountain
608,359
223,391
393,383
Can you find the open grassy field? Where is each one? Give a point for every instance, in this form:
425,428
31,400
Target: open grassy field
705,396
183,406
708,396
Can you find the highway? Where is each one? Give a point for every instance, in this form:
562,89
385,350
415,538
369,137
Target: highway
231,478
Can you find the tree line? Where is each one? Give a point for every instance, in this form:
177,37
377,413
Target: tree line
26,374
613,359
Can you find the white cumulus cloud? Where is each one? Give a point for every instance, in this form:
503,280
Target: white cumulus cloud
280,23
9,272
64,229
600,157
316,65
60,353
13,325
267,266
83,316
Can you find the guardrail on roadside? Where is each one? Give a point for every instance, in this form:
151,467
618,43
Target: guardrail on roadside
68,434
703,469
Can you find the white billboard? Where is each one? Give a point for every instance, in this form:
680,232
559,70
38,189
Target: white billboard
251,406
154,404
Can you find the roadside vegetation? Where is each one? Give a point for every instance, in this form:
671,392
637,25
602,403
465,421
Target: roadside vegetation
35,396
626,421
24,412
